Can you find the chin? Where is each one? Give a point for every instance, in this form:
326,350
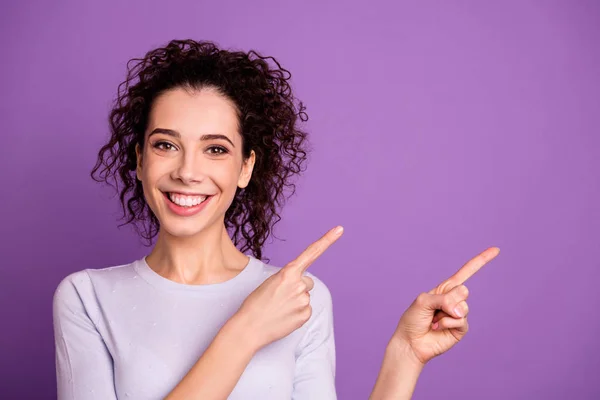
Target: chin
183,229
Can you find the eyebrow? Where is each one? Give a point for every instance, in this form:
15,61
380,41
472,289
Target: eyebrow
176,134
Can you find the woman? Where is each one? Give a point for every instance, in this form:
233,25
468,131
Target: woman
204,145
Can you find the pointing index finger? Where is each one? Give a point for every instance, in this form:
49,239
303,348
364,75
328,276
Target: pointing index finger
314,251
469,269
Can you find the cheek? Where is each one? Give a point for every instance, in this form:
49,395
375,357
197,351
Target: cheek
225,174
147,185
151,174
226,180
148,174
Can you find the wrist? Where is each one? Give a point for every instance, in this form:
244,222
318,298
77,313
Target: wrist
401,351
399,372
240,328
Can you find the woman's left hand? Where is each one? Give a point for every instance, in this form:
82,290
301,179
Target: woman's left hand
437,320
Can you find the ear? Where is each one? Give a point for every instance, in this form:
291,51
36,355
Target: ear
138,155
247,168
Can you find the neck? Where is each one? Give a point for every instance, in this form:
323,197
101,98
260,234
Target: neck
205,258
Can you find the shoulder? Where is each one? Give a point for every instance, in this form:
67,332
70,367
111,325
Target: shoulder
70,287
79,286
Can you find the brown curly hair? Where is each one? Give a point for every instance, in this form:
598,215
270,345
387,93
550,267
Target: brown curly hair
268,116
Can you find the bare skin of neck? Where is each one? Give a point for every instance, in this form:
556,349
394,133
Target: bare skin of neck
207,258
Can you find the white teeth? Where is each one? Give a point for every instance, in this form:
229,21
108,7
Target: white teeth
186,201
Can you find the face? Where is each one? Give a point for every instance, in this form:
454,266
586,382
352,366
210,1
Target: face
192,163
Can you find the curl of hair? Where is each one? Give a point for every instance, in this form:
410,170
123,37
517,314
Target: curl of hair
268,115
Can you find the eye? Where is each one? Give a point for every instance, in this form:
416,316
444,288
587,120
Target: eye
166,146
217,150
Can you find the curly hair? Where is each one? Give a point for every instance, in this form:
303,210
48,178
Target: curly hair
268,115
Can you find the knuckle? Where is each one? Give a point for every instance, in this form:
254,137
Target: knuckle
422,299
456,298
448,302
306,299
319,247
300,287
307,313
286,274
444,287
313,249
465,308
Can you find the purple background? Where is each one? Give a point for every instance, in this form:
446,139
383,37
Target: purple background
439,129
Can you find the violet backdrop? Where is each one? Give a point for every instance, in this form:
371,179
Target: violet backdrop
439,128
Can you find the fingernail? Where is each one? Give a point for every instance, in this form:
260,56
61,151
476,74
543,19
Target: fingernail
435,326
458,311
339,230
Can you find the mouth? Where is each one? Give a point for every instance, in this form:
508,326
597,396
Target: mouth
186,200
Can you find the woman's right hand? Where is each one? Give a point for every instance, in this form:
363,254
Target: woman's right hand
281,304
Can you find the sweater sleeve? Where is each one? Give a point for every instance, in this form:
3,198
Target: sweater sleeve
84,366
315,356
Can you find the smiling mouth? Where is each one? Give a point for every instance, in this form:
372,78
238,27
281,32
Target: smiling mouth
185,200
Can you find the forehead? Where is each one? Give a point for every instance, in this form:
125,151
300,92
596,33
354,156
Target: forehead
194,113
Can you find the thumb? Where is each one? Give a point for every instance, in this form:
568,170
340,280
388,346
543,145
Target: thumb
428,303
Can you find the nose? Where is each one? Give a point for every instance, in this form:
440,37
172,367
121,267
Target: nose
188,169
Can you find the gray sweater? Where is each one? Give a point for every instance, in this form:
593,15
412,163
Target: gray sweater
126,332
